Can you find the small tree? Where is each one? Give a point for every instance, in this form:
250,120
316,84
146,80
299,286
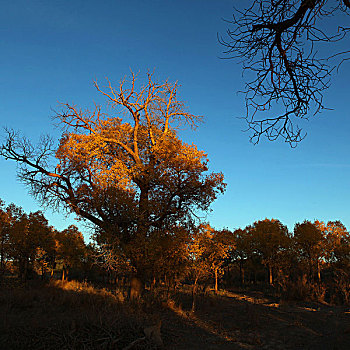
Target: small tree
337,254
46,252
309,241
199,265
269,239
217,251
5,221
241,251
28,232
207,251
168,255
335,234
70,249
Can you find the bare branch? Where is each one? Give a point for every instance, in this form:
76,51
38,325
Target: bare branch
276,43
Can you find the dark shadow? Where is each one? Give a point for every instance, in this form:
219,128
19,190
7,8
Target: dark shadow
75,315
255,321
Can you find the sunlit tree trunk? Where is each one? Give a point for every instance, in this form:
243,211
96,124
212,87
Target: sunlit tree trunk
216,280
65,273
153,284
270,275
194,294
318,271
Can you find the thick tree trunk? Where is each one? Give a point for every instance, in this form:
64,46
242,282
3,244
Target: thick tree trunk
143,214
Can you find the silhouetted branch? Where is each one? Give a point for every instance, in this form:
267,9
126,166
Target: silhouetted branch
276,43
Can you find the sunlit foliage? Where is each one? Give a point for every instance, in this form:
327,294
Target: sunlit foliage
123,168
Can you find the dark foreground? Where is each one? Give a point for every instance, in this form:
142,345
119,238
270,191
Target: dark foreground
77,316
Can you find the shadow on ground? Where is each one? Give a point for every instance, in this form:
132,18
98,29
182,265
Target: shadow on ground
78,316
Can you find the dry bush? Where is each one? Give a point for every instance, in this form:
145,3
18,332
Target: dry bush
340,288
302,290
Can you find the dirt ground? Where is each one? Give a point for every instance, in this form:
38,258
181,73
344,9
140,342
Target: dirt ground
251,321
81,318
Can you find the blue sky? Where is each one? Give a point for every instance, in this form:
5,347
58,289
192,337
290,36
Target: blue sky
51,51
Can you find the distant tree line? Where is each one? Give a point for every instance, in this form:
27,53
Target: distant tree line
28,245
310,263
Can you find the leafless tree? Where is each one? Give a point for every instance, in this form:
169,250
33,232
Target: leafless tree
277,42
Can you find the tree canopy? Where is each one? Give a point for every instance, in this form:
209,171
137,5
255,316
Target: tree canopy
123,168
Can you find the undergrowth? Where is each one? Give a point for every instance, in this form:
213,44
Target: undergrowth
70,315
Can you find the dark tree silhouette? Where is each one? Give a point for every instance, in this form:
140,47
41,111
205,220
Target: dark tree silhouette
270,238
70,249
276,41
309,241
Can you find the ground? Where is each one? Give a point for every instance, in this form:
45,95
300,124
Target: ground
252,321
78,316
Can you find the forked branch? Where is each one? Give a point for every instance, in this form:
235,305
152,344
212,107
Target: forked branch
276,42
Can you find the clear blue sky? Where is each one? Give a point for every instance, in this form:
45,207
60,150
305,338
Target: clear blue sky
51,51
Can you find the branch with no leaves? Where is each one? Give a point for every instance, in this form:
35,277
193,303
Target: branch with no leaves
276,42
